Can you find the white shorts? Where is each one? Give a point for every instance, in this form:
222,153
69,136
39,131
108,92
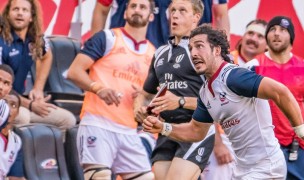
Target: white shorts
214,171
265,169
120,152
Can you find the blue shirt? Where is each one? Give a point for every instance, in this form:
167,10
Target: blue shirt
17,55
158,30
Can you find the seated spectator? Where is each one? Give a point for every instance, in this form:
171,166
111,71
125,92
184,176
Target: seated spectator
21,44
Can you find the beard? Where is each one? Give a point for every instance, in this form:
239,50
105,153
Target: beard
278,49
137,21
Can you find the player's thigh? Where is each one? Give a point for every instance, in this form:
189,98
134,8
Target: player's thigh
132,156
96,146
183,169
161,169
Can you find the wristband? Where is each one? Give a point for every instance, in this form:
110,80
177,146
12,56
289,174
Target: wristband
30,105
299,130
96,87
167,129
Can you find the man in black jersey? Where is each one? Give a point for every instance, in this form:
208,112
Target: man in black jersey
172,64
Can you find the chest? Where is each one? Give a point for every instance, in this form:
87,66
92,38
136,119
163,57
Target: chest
17,55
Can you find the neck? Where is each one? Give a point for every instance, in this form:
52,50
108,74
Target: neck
281,57
22,33
139,34
214,68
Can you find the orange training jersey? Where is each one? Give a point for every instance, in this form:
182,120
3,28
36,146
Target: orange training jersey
119,69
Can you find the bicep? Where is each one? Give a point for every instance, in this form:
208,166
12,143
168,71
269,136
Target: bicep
82,62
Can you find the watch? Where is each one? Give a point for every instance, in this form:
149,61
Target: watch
181,102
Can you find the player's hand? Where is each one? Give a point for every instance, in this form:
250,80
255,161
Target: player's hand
110,96
140,114
36,94
167,102
42,108
222,153
152,125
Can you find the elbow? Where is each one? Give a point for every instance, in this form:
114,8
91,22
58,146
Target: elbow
70,74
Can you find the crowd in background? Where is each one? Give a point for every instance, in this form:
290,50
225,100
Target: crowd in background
121,69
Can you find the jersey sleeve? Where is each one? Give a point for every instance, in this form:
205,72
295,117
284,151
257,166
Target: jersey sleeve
105,2
17,168
201,113
219,1
95,47
244,82
151,82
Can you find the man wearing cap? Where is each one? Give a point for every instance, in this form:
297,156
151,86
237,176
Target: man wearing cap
280,64
252,43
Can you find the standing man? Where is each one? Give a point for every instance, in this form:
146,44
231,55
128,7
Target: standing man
118,61
252,43
232,96
11,159
158,30
21,44
172,64
280,64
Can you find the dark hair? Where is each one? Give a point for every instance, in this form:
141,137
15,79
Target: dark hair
8,69
152,5
216,38
14,93
34,29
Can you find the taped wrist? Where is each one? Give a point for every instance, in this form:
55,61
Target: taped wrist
167,129
299,130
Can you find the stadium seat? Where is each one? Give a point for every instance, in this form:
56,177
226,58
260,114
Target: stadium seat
64,92
71,154
43,151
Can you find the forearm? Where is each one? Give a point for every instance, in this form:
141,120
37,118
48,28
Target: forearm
191,103
221,18
218,138
43,67
289,106
189,132
25,102
99,19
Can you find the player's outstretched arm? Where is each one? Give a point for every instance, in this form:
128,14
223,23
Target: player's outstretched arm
188,132
281,95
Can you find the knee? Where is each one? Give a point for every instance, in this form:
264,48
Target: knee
23,117
66,118
96,172
139,176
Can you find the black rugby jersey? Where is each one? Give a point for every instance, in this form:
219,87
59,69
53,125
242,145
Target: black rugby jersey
172,64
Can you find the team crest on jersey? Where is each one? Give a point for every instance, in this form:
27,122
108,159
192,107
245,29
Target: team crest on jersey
223,98
160,62
91,140
14,52
178,59
200,153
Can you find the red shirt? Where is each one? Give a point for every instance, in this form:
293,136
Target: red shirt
291,74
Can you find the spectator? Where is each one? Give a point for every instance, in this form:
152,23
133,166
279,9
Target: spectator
280,64
118,60
11,159
21,44
158,30
252,43
171,64
232,97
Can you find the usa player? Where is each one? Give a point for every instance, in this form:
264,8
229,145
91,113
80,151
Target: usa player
234,97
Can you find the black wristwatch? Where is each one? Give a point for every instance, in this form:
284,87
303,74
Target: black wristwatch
181,102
